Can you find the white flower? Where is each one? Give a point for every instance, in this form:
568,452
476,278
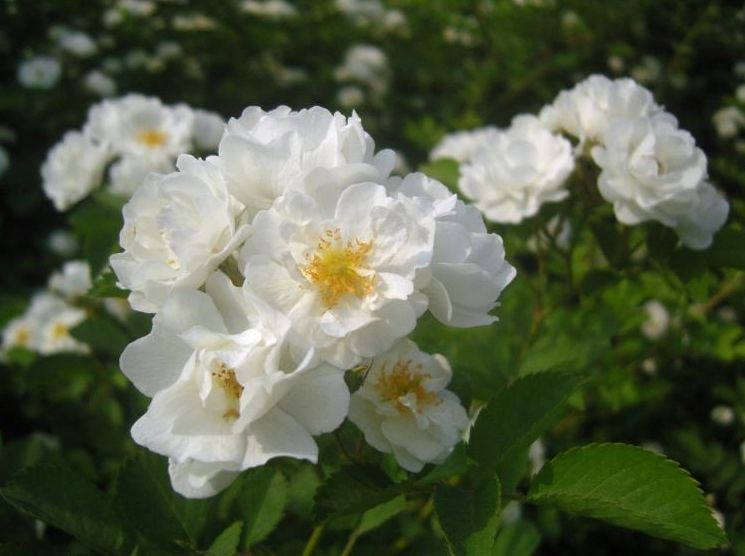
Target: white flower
99,83
73,168
742,451
586,110
462,145
264,154
40,72
227,395
50,320
19,333
468,270
723,415
62,243
524,167
74,280
128,173
536,456
77,43
364,63
4,161
118,308
658,320
652,170
208,129
342,266
350,96
142,127
728,121
403,407
177,229
276,9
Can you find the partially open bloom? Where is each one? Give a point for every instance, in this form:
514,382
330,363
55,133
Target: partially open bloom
524,167
342,266
462,145
264,154
403,407
468,270
178,228
227,394
652,170
74,280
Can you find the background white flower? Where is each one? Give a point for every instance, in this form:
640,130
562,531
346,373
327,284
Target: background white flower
403,407
462,145
524,167
40,72
74,280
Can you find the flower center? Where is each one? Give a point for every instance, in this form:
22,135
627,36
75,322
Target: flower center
402,383
152,137
22,337
225,379
59,331
338,268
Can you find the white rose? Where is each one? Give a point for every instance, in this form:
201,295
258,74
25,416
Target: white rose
73,168
342,267
226,393
652,170
177,229
263,154
462,145
525,166
468,269
403,407
74,280
586,110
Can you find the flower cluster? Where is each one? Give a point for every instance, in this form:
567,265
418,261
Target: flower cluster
45,326
649,168
121,142
274,267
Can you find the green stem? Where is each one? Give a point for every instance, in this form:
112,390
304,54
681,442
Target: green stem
315,538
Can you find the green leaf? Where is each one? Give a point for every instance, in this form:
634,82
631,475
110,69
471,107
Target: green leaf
469,517
630,487
727,251
63,498
517,539
103,334
262,499
354,489
149,504
444,170
517,416
377,516
226,543
97,222
104,285
455,464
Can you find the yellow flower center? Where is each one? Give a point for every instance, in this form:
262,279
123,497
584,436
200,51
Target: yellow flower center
152,138
225,379
22,337
338,268
401,382
59,331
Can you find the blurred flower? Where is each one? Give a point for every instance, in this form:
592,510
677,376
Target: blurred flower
207,130
4,161
74,280
350,96
403,407
193,22
728,121
62,243
366,64
740,93
616,64
168,50
40,72
73,168
525,167
99,83
742,452
648,71
658,320
76,43
649,366
462,145
276,9
536,456
653,446
723,415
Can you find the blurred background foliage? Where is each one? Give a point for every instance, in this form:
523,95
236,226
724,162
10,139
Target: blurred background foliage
451,64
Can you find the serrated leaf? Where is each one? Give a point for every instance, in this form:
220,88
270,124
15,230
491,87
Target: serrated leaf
262,499
354,489
226,543
378,515
149,504
469,516
517,416
60,497
517,539
629,487
455,464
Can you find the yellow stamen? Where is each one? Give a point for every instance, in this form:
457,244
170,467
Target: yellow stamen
225,379
338,268
23,337
59,331
152,137
402,381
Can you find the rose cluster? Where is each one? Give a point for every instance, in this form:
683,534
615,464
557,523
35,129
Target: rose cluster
121,142
274,267
649,168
